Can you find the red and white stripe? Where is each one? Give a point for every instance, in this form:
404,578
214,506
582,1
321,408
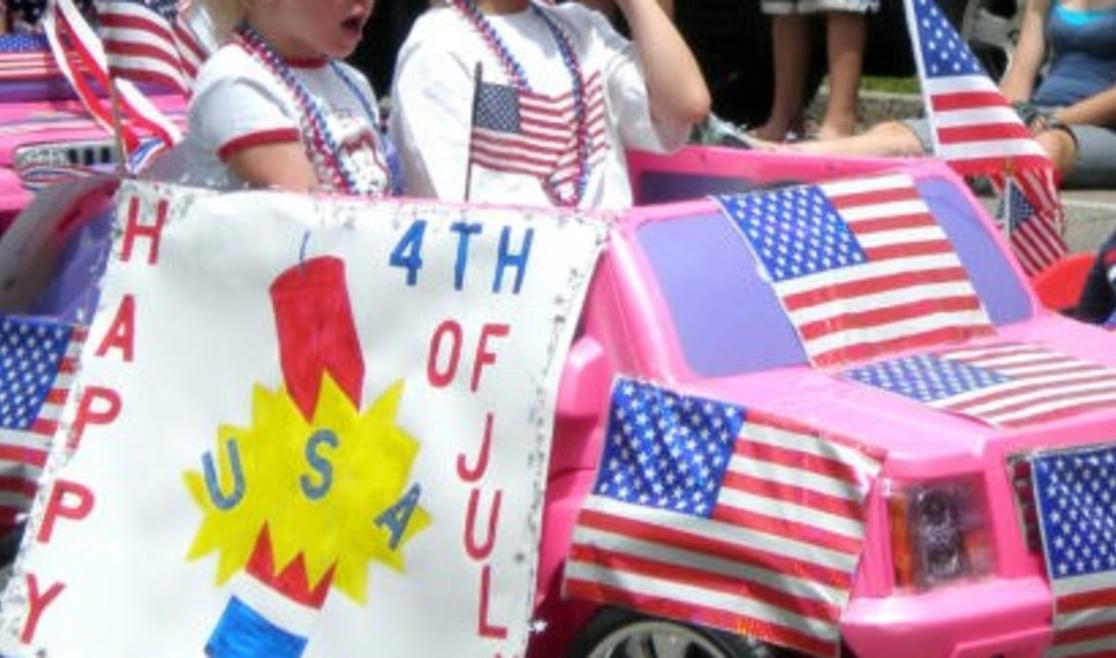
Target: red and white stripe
912,291
1043,385
546,146
27,65
140,44
1085,617
977,132
79,54
23,453
777,557
1038,242
143,45
975,128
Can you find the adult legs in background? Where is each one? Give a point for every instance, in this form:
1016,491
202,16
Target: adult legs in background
790,46
846,34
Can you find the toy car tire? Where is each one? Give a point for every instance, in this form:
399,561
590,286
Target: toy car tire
620,633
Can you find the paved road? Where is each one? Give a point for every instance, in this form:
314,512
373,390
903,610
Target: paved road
1091,217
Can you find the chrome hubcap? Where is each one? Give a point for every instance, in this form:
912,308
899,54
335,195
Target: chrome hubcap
656,639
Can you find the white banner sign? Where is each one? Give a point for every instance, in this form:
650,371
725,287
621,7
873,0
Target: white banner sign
305,427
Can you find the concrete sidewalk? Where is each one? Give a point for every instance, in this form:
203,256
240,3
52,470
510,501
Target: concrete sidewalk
1091,217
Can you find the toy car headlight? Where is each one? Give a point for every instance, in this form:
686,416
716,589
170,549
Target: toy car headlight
938,532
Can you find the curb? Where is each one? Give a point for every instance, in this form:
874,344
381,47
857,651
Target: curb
873,106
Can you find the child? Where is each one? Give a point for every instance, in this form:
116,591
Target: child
515,102
274,107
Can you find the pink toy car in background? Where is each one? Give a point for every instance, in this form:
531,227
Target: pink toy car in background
44,129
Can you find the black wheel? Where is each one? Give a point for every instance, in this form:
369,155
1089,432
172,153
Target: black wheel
620,633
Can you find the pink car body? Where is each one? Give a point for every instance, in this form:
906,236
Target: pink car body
668,259
658,310
60,126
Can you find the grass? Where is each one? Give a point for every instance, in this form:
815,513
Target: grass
888,84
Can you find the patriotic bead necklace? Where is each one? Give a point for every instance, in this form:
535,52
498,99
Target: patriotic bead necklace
320,144
515,74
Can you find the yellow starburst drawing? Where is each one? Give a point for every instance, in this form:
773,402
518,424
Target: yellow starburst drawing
318,487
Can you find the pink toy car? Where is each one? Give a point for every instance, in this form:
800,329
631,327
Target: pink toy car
952,565
43,123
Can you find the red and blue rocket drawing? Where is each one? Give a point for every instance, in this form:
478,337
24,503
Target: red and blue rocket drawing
314,488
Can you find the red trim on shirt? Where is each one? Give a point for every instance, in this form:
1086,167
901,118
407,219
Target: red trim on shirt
237,144
307,62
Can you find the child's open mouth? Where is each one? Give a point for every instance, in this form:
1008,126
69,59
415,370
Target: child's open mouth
353,24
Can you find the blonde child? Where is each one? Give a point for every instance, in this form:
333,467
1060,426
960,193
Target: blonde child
275,106
517,102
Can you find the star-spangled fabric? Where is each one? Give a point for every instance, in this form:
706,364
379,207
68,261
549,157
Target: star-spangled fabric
1006,384
1075,494
38,359
974,127
708,512
523,132
1036,242
80,56
152,41
976,130
861,267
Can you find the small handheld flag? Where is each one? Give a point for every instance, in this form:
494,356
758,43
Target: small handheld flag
1036,240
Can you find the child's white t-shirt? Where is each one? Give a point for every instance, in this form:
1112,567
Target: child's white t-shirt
432,114
239,103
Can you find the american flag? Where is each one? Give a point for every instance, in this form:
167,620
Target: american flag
707,512
80,56
38,359
1004,384
860,266
154,40
523,132
1036,241
974,127
25,57
1075,492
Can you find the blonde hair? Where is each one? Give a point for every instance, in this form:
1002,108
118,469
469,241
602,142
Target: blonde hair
227,14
